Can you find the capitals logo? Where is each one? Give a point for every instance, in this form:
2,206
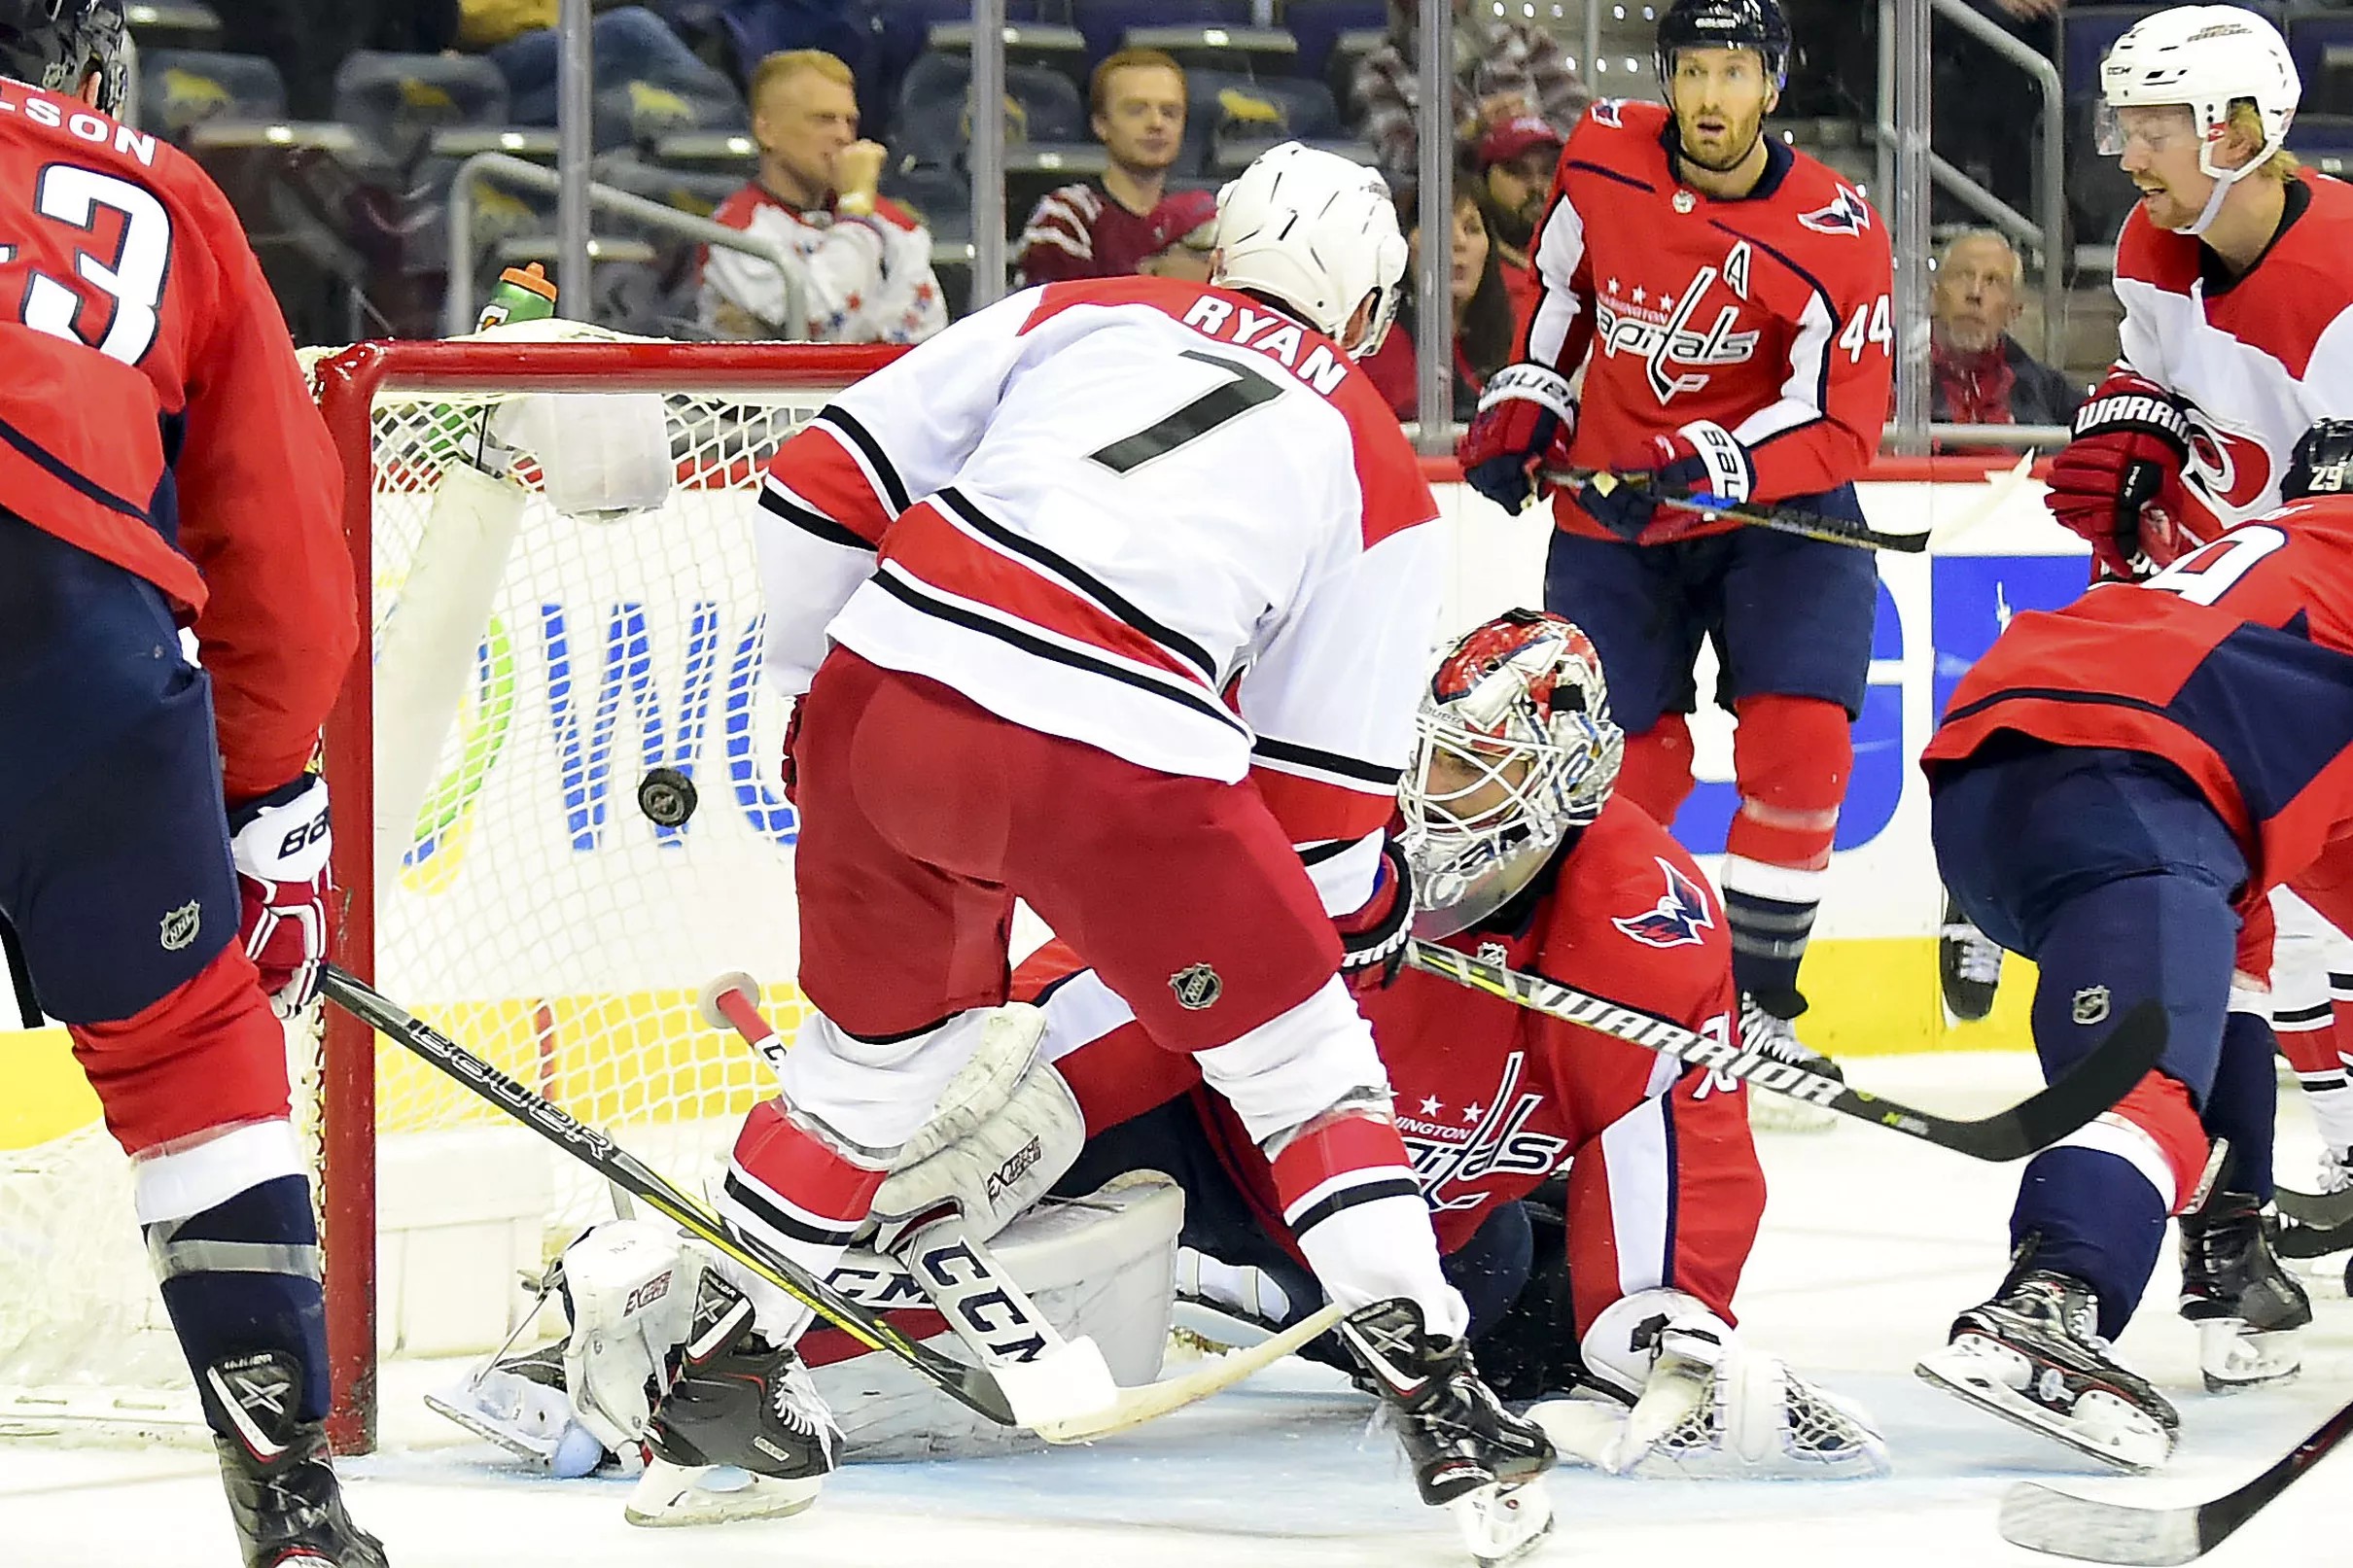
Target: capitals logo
1848,214
1676,920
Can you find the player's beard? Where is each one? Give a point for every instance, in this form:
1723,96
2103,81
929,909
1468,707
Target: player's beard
1740,134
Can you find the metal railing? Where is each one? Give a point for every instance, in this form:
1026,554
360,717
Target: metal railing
458,306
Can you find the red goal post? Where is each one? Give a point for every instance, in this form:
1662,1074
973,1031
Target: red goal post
390,408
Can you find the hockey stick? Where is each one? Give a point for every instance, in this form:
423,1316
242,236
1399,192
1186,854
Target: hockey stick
2090,1087
2327,1211
2041,1519
943,1250
1763,514
1999,489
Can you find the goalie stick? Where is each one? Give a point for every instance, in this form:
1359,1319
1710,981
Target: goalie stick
976,1387
1763,514
2327,1211
2090,1087
2042,1520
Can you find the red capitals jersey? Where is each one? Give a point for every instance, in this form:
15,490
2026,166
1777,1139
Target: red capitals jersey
1768,316
2253,359
1663,1191
2235,664
154,414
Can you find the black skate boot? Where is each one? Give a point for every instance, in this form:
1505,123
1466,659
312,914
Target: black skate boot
281,1482
2033,1355
1467,1450
1969,963
2246,1307
739,1405
1768,1029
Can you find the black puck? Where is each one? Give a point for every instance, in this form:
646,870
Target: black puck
666,796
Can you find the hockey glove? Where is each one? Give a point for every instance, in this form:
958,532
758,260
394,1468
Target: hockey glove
1524,424
1702,459
280,843
2131,442
1373,941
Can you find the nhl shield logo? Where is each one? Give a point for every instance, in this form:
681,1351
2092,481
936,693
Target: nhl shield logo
1196,985
2091,1004
180,926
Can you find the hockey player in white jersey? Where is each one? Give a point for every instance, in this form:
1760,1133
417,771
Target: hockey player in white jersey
1050,590
2236,272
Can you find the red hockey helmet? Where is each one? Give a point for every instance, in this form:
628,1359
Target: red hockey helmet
1513,748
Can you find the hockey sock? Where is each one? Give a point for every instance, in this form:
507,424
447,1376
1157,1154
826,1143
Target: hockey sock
2093,1214
243,1276
1348,1196
1656,774
2244,1105
1792,756
2332,1094
802,1193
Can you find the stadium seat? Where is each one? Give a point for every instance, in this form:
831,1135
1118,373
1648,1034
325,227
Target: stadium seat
2322,42
182,89
1319,23
641,114
1224,107
1106,21
1055,48
1347,51
933,119
399,101
1209,46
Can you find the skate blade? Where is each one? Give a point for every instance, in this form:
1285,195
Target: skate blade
2015,1407
670,1495
2232,1358
1502,1524
450,1405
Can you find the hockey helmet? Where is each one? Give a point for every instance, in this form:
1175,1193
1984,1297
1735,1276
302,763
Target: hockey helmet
58,44
2204,58
1516,718
1315,231
2322,464
1757,24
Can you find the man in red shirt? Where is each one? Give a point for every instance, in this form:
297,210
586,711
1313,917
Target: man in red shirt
1515,168
163,845
1105,228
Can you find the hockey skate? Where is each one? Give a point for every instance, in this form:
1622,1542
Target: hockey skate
741,1435
2246,1307
2033,1355
1470,1453
1969,965
282,1488
1767,1030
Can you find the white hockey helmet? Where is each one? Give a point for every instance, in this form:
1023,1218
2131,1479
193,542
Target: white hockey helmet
1520,711
2204,58
1315,231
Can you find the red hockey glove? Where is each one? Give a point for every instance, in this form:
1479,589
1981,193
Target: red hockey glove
281,843
1702,459
2131,442
1526,420
1374,939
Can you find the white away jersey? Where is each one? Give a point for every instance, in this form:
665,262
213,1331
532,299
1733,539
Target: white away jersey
1157,517
2255,360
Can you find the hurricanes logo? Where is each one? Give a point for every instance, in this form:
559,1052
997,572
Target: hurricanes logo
2230,464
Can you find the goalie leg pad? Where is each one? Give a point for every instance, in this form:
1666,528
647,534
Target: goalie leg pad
630,1288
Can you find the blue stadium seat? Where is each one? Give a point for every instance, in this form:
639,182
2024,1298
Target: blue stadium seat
1223,107
180,88
1106,21
2322,42
933,122
398,101
643,112
1319,23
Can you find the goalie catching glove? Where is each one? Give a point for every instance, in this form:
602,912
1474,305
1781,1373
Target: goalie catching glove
1526,419
281,844
2122,473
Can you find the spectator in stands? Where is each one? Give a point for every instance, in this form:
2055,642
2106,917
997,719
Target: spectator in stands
1515,166
864,262
1482,310
1184,238
1979,373
1503,70
627,45
1101,229
306,40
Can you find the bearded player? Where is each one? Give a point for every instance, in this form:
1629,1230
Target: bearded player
2237,337
1728,298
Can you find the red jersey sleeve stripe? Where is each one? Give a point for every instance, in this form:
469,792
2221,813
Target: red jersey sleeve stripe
817,468
1311,810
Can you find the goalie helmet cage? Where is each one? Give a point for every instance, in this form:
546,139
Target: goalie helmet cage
393,409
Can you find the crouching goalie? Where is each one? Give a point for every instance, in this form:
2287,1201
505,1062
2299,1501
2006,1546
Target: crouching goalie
1608,1296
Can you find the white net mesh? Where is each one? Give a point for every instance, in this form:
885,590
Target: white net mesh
529,909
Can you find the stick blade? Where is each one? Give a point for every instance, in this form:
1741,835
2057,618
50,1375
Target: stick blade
2090,1087
2042,1520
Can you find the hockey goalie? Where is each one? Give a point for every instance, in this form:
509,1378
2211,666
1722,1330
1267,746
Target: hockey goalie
1115,1190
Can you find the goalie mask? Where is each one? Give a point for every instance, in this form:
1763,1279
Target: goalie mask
1513,748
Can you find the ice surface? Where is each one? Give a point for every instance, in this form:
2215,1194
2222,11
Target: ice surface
1871,1242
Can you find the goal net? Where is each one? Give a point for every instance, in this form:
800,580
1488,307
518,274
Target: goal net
528,670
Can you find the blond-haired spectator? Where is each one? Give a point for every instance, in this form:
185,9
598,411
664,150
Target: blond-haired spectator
1104,227
1979,373
865,263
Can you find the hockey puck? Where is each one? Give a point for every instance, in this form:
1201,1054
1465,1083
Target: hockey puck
666,796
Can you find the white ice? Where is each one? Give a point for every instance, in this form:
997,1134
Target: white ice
1871,1242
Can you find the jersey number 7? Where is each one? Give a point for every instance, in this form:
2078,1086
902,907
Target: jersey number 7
133,278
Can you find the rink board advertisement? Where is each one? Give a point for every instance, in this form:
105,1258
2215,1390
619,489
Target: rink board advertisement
537,902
